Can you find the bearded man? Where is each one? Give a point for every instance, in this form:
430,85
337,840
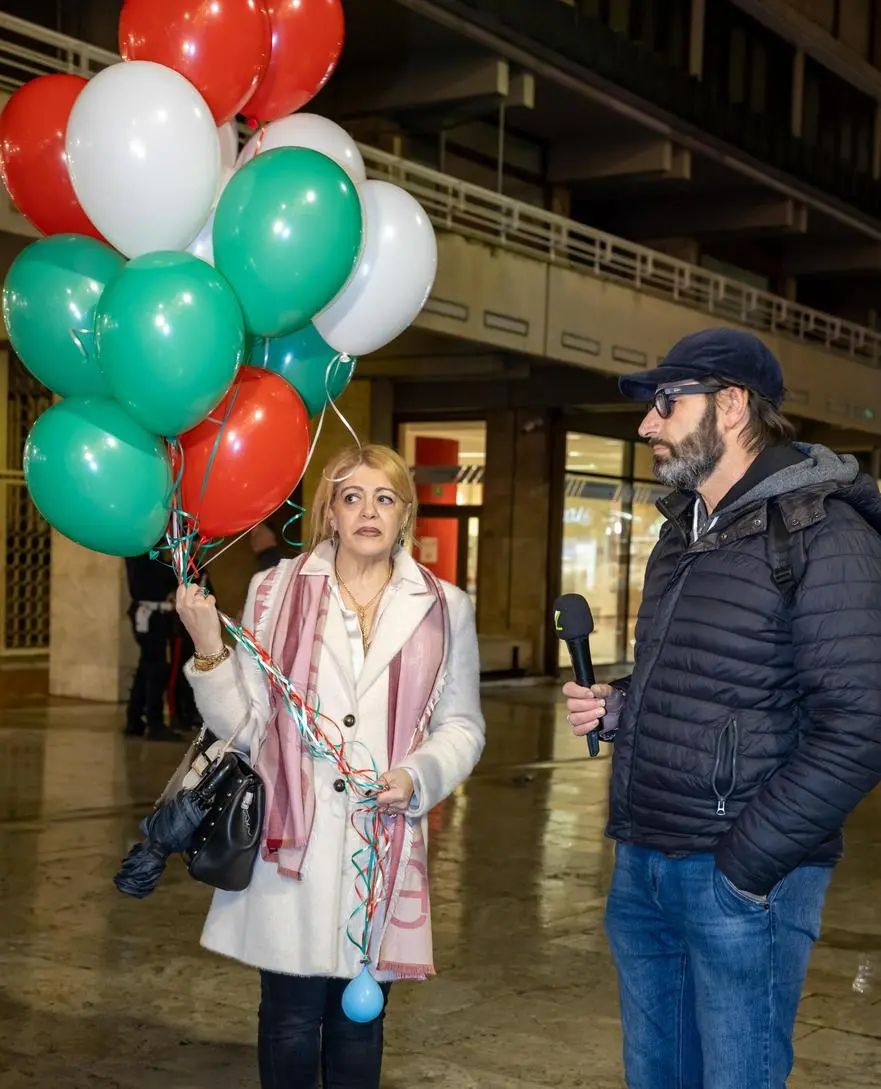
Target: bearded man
750,726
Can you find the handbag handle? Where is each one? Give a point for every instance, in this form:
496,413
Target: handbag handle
213,782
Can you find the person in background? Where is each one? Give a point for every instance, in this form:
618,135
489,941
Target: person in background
389,654
265,545
152,587
750,727
182,708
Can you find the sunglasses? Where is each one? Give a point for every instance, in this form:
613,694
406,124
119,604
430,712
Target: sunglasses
666,397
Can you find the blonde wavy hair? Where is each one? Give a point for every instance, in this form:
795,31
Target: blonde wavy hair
337,473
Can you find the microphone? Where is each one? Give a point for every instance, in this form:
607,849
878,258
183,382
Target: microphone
574,624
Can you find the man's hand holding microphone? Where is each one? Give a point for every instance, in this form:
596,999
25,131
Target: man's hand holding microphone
593,709
587,707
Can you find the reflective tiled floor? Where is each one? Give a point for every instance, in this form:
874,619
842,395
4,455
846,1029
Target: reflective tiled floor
100,991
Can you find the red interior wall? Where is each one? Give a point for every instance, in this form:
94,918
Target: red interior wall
434,451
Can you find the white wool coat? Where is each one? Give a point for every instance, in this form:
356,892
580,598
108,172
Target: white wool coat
298,926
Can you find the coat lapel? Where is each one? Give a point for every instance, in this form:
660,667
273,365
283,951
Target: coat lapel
402,614
336,639
409,601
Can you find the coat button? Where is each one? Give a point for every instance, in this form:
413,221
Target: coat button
339,785
349,721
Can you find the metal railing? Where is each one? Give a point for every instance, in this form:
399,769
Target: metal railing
456,205
28,50
467,209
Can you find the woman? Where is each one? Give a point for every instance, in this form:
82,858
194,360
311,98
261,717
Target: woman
389,653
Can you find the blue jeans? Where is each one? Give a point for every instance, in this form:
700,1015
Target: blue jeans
302,1027
710,978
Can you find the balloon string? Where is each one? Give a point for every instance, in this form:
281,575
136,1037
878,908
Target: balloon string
311,724
300,512
341,358
261,136
77,336
217,440
364,784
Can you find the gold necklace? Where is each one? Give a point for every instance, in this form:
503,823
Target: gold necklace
361,611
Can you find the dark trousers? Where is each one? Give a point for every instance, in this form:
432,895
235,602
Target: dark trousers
302,1028
147,696
181,702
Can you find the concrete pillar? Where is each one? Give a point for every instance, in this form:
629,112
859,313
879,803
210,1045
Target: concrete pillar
92,652
512,578
696,39
382,411
798,93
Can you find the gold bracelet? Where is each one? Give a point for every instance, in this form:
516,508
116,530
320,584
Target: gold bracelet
203,663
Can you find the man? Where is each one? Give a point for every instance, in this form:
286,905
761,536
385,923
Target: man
152,586
265,546
750,727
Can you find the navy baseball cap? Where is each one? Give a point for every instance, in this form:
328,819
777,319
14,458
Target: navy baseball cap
733,354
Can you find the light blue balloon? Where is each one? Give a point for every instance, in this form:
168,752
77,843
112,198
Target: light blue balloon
315,370
363,999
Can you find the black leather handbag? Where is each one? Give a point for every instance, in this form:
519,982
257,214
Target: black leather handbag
224,847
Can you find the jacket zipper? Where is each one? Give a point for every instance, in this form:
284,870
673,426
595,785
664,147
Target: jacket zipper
724,758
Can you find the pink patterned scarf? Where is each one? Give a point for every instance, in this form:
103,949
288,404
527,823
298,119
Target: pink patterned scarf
402,929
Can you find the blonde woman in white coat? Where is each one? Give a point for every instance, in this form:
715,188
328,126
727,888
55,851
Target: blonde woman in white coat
390,654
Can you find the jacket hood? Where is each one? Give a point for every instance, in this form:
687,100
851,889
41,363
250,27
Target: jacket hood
837,475
820,468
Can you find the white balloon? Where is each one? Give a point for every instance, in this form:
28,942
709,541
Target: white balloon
144,157
202,245
309,130
393,278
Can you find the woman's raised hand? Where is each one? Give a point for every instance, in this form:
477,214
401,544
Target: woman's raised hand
199,616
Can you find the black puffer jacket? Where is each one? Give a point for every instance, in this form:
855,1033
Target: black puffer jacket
752,727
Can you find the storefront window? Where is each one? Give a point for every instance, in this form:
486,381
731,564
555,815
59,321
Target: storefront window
594,529
645,528
610,526
447,460
642,461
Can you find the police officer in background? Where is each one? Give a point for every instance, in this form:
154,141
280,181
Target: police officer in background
152,587
751,724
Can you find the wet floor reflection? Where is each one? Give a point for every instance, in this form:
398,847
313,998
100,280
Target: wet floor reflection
101,991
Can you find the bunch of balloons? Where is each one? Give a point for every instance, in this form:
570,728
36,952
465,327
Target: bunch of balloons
193,304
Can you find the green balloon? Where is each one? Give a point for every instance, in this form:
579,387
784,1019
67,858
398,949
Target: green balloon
303,358
170,337
49,301
98,477
287,235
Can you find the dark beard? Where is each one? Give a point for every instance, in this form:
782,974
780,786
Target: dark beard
690,462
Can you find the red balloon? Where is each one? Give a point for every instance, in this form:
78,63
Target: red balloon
33,160
259,458
307,39
221,46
